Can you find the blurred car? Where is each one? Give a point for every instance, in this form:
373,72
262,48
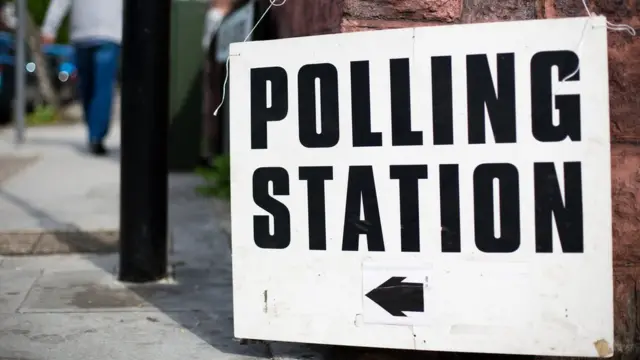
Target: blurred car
6,98
60,59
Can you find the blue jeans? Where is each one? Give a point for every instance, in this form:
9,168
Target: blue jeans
97,63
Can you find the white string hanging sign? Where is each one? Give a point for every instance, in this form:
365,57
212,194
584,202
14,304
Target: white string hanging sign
272,3
611,26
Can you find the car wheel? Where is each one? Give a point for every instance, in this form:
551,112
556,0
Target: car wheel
5,115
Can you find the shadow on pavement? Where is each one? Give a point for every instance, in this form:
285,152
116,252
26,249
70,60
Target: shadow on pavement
79,146
197,295
67,238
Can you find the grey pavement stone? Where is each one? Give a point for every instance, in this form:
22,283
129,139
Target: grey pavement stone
48,242
61,263
56,242
18,244
14,287
86,305
12,165
118,336
222,211
66,188
91,291
80,291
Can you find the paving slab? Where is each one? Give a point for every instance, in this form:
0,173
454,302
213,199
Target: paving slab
61,263
18,243
115,336
11,165
58,311
45,242
63,187
74,308
91,291
14,288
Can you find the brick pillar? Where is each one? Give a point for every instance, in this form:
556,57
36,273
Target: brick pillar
308,17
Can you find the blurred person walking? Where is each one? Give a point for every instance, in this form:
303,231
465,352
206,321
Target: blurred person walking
96,34
216,13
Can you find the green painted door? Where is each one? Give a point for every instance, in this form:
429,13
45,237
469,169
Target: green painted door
187,60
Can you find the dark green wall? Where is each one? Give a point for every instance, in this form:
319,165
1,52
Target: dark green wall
187,59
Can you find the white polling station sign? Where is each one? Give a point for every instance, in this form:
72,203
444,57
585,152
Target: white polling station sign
437,188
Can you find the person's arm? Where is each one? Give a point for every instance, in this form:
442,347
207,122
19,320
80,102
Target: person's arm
55,13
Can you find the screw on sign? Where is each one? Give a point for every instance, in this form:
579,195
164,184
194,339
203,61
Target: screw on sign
455,183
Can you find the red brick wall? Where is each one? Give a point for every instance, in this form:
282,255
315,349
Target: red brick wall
307,17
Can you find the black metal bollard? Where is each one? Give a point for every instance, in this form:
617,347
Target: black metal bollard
145,120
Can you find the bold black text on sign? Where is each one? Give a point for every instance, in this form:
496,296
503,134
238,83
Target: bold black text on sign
499,99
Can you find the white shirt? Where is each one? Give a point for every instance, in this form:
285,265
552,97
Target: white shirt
90,19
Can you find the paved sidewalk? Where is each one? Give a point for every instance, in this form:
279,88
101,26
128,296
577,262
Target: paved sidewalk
59,172
71,306
56,199
54,196
67,307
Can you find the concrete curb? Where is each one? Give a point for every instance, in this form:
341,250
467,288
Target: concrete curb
50,242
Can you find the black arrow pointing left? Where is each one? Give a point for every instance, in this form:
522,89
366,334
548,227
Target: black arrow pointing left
396,296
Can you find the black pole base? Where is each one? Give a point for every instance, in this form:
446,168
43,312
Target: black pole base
137,276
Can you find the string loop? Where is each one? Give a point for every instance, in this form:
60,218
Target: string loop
272,3
611,26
